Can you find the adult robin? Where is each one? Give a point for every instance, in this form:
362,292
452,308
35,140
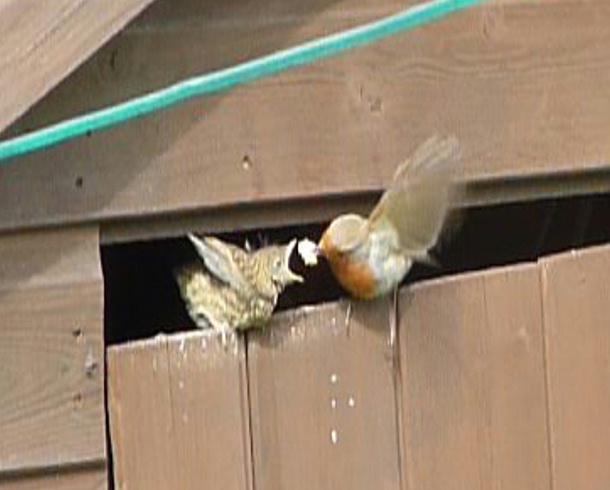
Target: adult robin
370,256
234,289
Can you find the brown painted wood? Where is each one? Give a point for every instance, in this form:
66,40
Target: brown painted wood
473,392
35,259
523,97
51,350
322,400
42,42
66,479
577,319
179,414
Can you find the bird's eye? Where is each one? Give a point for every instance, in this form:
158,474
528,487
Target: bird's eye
277,263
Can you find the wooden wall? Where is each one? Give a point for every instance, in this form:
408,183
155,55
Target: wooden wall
521,83
502,373
42,42
502,384
52,419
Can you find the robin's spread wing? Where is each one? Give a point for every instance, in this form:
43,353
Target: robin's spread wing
420,195
221,260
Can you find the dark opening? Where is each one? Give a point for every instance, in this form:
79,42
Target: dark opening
143,300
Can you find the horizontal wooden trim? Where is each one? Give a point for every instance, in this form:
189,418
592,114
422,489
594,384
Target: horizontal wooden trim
320,209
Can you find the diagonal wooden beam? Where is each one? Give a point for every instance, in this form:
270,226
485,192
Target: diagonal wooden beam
42,42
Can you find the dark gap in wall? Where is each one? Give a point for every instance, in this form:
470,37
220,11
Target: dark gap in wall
142,300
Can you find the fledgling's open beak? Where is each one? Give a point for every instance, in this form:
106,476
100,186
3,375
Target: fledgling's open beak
289,276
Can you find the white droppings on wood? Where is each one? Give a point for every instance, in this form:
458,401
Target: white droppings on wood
334,436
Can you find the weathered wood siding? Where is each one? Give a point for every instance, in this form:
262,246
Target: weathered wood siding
42,42
502,382
522,84
577,330
52,420
322,402
192,426
474,393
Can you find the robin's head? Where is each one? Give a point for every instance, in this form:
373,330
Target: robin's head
343,235
275,260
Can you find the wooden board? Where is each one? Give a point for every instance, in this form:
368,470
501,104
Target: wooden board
322,400
42,42
577,320
524,98
473,392
178,414
502,384
51,351
67,479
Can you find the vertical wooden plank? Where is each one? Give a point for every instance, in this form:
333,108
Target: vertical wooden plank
178,414
322,401
518,429
577,329
140,411
51,351
473,392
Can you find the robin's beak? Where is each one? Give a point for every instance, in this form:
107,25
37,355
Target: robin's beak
289,276
321,246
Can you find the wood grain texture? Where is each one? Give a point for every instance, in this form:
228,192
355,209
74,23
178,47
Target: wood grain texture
322,400
473,392
35,259
577,319
178,414
42,42
523,95
51,350
66,479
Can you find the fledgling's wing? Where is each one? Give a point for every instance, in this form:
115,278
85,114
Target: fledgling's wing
421,193
222,260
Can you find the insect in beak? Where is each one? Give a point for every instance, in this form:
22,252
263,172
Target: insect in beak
310,251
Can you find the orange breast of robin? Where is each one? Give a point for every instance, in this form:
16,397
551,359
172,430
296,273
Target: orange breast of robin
354,275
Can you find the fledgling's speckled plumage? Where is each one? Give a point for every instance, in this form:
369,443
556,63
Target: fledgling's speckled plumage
232,289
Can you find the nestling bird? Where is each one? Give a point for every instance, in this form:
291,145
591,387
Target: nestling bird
371,256
233,289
